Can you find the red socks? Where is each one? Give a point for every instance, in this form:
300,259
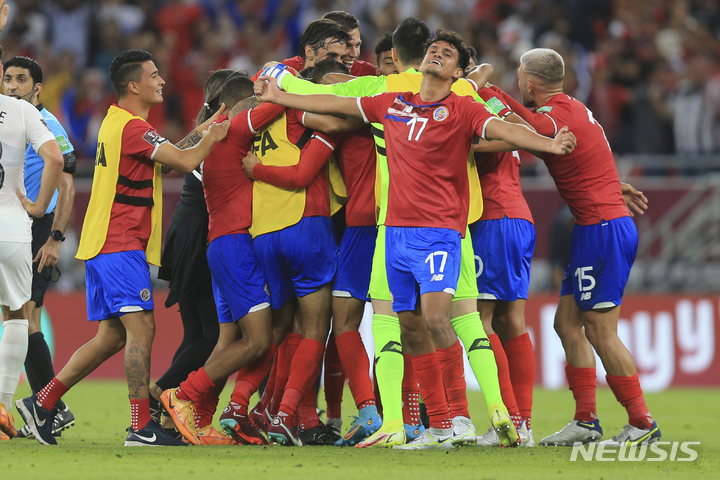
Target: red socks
197,384
355,362
410,393
582,383
628,392
506,387
521,363
427,370
139,413
453,378
283,372
250,377
205,410
334,380
305,368
51,393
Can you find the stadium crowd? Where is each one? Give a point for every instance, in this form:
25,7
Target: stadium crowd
648,70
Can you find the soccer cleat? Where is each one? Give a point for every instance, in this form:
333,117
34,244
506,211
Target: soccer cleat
320,435
574,432
463,431
365,424
39,419
209,436
428,441
182,413
257,416
7,423
490,438
239,426
382,439
505,429
631,436
335,424
411,433
64,419
283,431
151,435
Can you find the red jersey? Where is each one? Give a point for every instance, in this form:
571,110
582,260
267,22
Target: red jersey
308,172
501,190
130,225
362,68
228,191
357,160
587,178
427,150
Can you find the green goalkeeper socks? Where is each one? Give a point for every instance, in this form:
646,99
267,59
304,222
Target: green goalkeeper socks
480,354
389,367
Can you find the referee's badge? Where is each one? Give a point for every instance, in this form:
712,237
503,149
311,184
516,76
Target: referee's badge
440,114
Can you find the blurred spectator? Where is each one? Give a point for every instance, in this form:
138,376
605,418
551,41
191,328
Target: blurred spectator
71,25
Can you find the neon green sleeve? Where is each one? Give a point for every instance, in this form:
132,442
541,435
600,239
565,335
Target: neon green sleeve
359,87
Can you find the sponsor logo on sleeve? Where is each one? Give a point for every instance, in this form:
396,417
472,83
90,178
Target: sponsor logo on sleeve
544,109
152,137
64,145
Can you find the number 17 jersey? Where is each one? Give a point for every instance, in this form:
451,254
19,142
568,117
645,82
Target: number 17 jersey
427,149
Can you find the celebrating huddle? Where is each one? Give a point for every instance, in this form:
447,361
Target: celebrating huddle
420,154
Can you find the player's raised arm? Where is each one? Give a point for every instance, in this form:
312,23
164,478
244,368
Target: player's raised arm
266,89
185,161
563,143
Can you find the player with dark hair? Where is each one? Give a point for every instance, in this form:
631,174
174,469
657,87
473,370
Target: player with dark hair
351,59
121,236
417,232
22,78
383,55
604,244
22,125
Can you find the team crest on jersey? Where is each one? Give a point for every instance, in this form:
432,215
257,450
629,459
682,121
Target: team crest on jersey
267,289
440,114
145,294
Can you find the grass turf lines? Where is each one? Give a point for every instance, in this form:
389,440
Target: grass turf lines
93,447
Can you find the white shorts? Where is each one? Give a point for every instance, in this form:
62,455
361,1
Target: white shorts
15,274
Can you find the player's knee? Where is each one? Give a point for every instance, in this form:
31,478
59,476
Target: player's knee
438,324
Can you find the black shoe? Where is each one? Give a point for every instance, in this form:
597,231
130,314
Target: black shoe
152,435
63,419
38,419
320,435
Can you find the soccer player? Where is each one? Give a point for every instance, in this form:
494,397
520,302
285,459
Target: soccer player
419,227
603,248
120,237
351,59
383,55
22,124
320,38
399,392
22,79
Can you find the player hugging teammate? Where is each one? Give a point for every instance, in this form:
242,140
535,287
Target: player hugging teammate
423,162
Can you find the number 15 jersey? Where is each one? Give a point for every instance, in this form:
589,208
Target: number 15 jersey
427,149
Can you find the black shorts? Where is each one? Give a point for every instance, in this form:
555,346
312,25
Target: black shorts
41,229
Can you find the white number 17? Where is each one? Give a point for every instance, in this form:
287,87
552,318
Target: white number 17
412,124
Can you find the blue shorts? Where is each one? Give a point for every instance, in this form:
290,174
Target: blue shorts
355,262
601,257
116,284
503,251
428,258
239,286
299,259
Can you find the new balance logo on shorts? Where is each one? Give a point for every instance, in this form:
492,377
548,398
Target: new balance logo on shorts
480,344
437,277
585,296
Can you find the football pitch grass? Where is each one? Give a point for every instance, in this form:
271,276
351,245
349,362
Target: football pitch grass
93,447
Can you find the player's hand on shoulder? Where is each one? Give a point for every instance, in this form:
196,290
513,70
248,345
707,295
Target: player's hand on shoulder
249,163
635,200
266,89
33,209
204,126
217,131
564,142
